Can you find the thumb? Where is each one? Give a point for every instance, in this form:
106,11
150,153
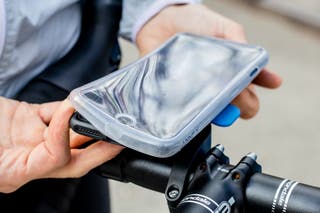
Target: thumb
57,142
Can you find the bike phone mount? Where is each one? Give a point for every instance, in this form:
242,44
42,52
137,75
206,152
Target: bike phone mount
198,178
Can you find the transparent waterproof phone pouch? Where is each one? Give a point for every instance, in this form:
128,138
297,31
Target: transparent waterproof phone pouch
159,103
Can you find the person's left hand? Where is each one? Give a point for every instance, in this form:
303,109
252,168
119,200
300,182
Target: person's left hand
198,19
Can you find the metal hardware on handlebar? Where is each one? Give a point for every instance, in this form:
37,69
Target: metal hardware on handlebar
200,179
217,188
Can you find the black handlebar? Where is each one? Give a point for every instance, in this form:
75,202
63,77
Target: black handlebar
211,184
266,193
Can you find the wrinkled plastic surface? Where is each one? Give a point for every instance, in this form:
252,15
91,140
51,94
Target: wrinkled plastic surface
160,102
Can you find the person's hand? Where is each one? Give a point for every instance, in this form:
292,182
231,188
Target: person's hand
198,19
36,142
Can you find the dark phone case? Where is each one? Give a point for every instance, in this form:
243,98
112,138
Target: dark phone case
82,126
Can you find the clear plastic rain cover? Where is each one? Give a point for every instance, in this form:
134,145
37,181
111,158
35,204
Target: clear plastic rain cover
160,102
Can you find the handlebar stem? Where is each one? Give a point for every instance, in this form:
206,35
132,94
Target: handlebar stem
217,188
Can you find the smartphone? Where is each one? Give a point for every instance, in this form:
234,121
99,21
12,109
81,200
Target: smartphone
82,126
157,104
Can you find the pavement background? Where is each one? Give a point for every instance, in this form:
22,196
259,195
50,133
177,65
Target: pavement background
286,132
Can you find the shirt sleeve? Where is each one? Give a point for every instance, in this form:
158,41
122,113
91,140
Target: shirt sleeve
137,12
2,26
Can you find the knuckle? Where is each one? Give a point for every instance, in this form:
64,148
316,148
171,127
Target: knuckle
59,160
248,103
249,114
250,110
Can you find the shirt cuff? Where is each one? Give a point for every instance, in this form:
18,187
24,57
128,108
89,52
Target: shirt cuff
153,10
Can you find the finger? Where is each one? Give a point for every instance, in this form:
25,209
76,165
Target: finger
248,102
47,110
57,143
84,160
233,31
76,140
268,79
94,155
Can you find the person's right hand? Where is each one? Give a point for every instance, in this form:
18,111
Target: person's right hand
35,142
198,19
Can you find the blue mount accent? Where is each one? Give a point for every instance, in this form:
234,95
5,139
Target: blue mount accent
227,116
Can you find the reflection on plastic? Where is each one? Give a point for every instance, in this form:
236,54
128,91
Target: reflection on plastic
166,91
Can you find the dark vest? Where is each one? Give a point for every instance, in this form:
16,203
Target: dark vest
95,54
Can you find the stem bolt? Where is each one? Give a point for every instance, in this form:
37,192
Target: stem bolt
173,193
220,147
253,156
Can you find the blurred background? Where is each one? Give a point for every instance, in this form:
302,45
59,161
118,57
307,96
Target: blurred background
286,132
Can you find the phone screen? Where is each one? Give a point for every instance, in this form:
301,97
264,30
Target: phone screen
163,93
